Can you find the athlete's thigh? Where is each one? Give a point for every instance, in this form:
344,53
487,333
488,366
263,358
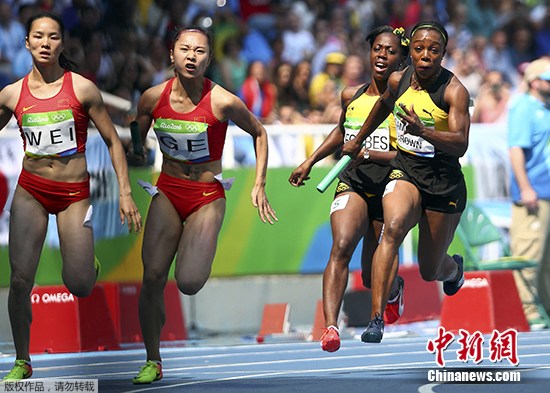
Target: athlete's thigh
27,231
162,232
76,240
435,234
402,204
349,217
197,246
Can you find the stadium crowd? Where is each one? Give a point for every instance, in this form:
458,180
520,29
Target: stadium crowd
288,60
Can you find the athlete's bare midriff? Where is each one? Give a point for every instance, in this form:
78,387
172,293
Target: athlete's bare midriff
204,172
62,169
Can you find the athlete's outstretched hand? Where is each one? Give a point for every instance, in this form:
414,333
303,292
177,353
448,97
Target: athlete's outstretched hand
259,200
300,175
130,213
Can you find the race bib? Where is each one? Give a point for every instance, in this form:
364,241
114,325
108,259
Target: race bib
49,133
412,143
379,140
183,140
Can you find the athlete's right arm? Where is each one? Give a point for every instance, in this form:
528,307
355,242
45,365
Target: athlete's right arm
145,107
8,99
380,111
329,146
332,142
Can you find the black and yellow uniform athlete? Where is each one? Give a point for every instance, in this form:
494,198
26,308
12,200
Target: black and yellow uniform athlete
436,173
356,212
368,178
426,186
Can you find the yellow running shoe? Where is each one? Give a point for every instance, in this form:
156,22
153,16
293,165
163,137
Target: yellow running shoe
151,372
97,267
21,370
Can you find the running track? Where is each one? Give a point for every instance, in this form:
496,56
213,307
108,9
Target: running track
398,364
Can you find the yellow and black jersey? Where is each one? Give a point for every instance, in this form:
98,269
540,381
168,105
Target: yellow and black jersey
431,169
369,177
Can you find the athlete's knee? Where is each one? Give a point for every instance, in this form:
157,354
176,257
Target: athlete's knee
21,285
80,288
428,273
190,286
394,230
342,250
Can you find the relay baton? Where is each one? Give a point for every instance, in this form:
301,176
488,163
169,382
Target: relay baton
333,174
136,138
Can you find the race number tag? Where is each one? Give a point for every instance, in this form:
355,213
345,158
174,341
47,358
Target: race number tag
49,133
412,143
339,203
183,140
379,140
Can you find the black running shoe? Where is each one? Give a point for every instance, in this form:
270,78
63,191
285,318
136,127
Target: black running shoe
452,287
374,331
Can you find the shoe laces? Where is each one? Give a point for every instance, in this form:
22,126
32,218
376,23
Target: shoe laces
328,329
150,364
20,369
377,320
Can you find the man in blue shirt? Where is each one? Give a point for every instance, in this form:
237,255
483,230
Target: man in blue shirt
529,148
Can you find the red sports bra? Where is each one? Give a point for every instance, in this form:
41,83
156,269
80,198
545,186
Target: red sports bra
193,137
55,126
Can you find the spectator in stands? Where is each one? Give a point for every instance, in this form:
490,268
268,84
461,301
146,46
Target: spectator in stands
542,35
326,42
529,141
233,66
258,93
260,15
22,60
334,68
282,80
355,71
12,40
298,43
522,43
188,206
457,27
467,68
56,101
481,17
492,101
300,80
497,56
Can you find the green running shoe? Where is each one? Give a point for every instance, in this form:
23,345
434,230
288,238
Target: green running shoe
151,372
21,370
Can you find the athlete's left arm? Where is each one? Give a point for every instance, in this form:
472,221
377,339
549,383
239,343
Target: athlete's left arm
228,106
90,97
455,141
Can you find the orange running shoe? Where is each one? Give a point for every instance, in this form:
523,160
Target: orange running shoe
330,340
394,307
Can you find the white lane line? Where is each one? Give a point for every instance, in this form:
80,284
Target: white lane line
428,388
230,356
386,367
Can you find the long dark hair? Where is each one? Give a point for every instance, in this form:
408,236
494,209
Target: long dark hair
64,61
